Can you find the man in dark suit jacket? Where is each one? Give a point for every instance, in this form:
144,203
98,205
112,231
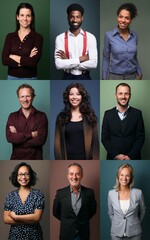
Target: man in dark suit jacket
74,206
123,131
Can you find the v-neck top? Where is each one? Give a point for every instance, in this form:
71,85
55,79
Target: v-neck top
35,200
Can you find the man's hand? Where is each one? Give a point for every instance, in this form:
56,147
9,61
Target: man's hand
61,54
34,134
12,129
84,58
122,157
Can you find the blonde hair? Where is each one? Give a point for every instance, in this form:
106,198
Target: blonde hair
126,165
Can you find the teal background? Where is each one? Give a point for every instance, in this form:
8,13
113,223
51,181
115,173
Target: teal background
108,170
108,22
139,99
42,26
9,103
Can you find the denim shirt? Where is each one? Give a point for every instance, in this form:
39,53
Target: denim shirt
120,56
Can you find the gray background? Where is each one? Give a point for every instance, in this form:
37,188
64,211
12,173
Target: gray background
59,24
140,25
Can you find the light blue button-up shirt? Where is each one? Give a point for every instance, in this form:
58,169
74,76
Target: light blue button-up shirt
120,56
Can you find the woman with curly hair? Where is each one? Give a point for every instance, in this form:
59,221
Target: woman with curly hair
120,48
76,133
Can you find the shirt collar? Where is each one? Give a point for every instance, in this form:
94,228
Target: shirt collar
116,31
71,190
33,111
81,32
122,112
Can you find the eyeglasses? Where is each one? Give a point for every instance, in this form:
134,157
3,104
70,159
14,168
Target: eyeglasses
23,174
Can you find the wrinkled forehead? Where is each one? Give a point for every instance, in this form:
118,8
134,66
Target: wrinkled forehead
74,169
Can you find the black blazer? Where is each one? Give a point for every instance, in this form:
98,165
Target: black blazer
70,223
123,137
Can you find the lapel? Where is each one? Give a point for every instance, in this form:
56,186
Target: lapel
132,202
87,137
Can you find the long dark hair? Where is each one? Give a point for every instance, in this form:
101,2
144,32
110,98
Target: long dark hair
28,6
85,106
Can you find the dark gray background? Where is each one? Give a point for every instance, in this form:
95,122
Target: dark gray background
59,24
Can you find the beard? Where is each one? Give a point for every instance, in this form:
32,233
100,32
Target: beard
74,27
123,105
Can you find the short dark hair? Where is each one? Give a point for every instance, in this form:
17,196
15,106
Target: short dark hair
28,6
26,86
123,85
75,7
77,165
14,174
129,7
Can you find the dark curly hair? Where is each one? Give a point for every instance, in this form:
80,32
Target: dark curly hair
14,174
28,6
129,7
85,106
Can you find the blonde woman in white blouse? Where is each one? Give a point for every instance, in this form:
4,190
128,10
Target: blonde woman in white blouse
126,206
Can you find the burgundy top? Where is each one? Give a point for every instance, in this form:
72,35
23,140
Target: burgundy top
25,147
13,45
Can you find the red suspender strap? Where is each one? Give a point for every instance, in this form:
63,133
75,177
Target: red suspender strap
66,44
84,44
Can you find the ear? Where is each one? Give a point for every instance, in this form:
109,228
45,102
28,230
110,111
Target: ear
17,17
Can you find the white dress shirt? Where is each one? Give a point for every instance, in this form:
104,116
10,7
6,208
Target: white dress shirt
75,46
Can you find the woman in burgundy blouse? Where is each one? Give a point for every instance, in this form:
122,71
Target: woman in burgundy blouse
23,48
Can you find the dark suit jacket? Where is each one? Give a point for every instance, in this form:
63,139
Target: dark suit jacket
70,223
90,140
123,137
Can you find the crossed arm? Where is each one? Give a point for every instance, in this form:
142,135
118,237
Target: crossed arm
12,218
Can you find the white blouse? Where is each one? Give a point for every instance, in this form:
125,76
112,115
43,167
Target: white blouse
124,205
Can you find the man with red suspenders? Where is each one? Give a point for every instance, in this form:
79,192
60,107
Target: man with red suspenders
76,49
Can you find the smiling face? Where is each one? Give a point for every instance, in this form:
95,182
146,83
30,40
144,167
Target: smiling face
124,177
123,96
24,18
75,98
23,177
25,98
124,19
75,176
75,19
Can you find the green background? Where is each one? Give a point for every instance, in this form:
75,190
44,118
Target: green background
139,99
9,103
42,25
140,25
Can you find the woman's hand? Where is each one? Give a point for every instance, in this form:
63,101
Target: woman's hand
16,58
13,215
33,52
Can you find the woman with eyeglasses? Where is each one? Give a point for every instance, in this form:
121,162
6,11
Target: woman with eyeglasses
24,206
